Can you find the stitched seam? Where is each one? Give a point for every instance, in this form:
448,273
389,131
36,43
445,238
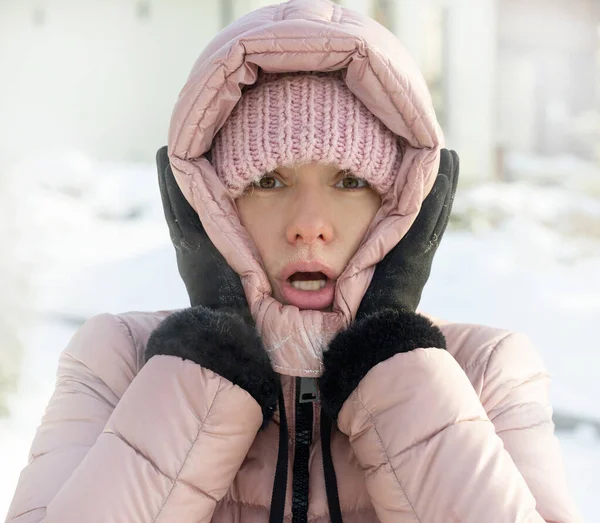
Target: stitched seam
118,321
437,433
59,450
519,405
508,387
134,340
138,452
491,354
530,379
90,393
187,456
533,426
95,375
486,357
21,514
390,98
512,407
191,108
153,464
359,400
511,385
127,329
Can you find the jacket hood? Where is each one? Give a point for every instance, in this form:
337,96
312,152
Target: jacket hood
304,35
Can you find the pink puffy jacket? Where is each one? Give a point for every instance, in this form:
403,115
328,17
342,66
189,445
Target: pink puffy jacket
430,436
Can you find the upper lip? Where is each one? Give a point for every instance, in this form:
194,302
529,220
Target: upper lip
307,266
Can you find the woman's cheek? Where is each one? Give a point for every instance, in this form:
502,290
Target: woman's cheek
264,236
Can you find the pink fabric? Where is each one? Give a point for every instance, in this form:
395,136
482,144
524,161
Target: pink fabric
292,119
171,441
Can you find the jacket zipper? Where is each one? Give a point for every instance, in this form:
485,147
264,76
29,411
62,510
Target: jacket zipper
306,395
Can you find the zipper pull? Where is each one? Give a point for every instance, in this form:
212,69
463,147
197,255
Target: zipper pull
309,392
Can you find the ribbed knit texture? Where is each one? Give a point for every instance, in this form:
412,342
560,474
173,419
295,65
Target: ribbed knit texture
291,119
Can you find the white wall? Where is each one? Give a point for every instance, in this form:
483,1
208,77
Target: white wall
471,92
94,76
469,75
516,108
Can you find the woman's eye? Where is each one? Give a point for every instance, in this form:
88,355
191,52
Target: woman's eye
268,181
352,182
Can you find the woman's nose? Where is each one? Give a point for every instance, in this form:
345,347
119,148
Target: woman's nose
309,219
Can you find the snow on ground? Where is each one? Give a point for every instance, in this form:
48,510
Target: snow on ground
521,264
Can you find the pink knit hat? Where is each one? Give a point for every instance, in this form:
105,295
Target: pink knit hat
289,119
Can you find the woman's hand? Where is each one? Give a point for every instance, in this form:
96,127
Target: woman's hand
209,279
386,323
217,332
224,343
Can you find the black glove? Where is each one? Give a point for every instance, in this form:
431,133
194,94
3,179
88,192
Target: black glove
217,332
400,277
208,278
386,323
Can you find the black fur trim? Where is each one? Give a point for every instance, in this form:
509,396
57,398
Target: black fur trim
367,342
224,343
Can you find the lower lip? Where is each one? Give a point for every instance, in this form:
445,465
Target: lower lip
315,300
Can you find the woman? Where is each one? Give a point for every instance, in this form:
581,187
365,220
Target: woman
306,189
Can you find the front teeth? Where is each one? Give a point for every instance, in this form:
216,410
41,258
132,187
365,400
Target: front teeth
311,285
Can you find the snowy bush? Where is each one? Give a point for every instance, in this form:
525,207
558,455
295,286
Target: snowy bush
546,202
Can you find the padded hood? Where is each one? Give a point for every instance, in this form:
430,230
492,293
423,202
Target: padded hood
304,35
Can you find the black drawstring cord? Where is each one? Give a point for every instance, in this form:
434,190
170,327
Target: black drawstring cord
333,499
281,470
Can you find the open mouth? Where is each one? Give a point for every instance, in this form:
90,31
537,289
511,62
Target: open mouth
308,289
308,281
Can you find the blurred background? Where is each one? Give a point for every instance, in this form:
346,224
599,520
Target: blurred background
86,93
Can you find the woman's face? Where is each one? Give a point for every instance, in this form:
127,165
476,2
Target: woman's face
307,222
